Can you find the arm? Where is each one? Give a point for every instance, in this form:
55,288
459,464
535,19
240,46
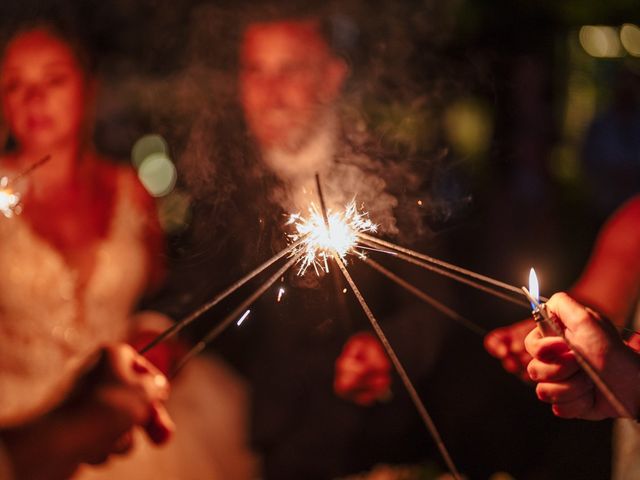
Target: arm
610,284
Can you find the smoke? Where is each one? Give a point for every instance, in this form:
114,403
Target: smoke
384,147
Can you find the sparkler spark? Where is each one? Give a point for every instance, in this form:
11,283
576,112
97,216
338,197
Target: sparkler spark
243,317
9,201
321,240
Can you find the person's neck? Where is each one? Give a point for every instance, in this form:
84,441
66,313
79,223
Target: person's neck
59,173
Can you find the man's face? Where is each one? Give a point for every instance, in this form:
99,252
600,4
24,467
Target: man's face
288,77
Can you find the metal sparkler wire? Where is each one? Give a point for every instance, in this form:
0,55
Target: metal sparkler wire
30,168
229,319
424,414
442,271
475,328
443,264
181,324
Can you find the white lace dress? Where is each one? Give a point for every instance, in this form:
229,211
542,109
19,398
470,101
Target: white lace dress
47,330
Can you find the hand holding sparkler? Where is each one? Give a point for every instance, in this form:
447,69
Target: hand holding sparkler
363,372
562,380
507,345
121,391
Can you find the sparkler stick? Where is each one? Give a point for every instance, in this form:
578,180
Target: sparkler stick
229,319
445,265
548,319
427,298
31,168
426,418
323,206
454,276
178,326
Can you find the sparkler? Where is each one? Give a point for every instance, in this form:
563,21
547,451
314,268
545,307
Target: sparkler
424,414
9,199
180,325
327,234
427,298
229,319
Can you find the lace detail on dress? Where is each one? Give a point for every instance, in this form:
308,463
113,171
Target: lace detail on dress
45,330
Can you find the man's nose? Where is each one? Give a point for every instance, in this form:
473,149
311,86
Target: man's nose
34,93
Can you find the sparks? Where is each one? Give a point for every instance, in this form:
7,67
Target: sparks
243,317
9,201
280,294
319,242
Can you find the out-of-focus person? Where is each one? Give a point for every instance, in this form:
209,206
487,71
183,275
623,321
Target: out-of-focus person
78,259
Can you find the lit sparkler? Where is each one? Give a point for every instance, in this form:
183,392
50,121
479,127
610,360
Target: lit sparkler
338,235
9,200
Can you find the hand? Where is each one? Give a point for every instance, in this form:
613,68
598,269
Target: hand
146,326
362,372
563,383
165,355
122,391
507,345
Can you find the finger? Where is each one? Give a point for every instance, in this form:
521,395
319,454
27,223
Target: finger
547,349
580,407
571,313
634,342
513,365
124,444
160,426
566,391
496,343
552,372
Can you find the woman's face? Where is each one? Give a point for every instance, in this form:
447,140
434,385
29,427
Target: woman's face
43,91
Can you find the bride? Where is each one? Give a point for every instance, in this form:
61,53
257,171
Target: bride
77,260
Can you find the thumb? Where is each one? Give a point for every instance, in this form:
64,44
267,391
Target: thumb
571,313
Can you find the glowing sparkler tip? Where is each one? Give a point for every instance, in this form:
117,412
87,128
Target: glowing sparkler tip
9,201
321,240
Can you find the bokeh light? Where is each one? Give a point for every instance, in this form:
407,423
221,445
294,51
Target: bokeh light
158,174
468,126
600,41
630,38
146,146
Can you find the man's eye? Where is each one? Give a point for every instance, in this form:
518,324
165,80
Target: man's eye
10,86
55,80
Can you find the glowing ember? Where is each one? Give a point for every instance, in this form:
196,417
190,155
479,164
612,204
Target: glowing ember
9,201
280,294
243,317
319,242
